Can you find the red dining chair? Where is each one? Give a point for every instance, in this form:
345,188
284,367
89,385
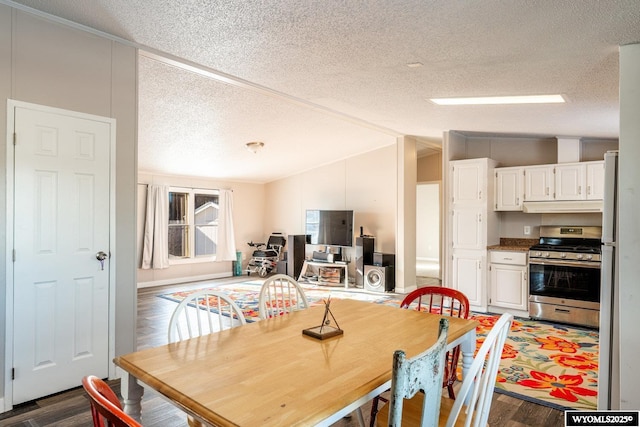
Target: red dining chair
105,405
445,302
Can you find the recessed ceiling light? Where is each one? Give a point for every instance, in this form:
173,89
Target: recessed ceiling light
414,64
487,100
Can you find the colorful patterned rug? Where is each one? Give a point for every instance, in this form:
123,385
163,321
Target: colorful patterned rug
247,294
550,364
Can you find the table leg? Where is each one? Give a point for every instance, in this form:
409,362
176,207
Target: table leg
131,393
468,348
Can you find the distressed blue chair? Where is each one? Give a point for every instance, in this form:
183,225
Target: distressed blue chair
422,373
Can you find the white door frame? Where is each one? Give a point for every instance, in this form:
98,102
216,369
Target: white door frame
9,326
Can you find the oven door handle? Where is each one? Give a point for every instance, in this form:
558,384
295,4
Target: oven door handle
593,264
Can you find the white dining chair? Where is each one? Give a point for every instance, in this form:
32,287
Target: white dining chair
473,402
280,294
203,312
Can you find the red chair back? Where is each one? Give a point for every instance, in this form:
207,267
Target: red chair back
105,405
438,300
445,302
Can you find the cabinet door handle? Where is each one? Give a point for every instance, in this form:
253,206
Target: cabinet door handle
480,195
547,191
579,189
479,217
588,189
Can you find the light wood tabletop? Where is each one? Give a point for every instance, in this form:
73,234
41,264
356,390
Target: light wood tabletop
268,373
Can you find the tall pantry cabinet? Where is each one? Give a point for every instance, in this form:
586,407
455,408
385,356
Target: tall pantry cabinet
474,226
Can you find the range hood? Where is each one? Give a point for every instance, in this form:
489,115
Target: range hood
563,206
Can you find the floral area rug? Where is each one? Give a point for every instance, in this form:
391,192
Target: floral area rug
550,364
247,294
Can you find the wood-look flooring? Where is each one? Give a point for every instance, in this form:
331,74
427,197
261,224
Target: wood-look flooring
71,408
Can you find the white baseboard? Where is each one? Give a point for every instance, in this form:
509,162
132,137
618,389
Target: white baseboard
427,259
2,408
184,280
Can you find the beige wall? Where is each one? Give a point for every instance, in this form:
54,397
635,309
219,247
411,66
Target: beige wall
430,168
365,183
248,217
50,64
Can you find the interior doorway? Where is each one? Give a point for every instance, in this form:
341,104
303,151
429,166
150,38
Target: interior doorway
428,230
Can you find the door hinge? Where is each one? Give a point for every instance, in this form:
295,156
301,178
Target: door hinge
15,138
13,374
13,255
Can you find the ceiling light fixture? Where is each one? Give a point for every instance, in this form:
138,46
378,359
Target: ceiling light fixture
254,146
488,100
415,64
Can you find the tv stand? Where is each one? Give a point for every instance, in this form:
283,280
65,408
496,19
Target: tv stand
319,264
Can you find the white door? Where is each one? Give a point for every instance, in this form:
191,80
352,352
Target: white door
469,179
61,221
467,277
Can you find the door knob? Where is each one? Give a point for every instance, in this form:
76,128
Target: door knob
101,256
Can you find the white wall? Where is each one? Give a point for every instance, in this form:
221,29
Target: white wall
365,183
248,217
428,222
629,236
50,64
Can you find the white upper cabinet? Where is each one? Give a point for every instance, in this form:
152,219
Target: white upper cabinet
509,189
595,180
469,182
541,183
570,181
538,183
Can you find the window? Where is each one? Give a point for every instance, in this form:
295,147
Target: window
193,224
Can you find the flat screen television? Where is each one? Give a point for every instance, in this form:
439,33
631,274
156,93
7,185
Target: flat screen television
329,227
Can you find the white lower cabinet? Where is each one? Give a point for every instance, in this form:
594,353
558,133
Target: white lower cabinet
468,276
509,284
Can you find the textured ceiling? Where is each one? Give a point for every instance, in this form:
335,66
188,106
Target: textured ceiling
324,80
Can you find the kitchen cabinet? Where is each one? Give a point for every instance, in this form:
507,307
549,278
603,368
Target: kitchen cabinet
469,277
595,180
469,182
474,225
541,183
570,181
509,285
509,189
538,183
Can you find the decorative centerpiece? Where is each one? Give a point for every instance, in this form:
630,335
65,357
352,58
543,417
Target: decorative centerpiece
326,329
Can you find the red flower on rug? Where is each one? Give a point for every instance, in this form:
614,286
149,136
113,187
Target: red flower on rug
558,344
575,361
563,387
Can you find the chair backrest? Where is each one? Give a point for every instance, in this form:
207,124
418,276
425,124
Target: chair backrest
446,302
422,372
105,405
213,311
438,300
280,294
477,387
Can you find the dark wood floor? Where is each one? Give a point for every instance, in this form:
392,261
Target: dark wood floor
71,408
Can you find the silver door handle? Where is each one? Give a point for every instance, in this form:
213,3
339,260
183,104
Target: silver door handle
101,256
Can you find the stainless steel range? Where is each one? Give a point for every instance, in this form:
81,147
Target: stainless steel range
564,275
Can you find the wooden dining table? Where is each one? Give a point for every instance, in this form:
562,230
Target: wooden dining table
269,373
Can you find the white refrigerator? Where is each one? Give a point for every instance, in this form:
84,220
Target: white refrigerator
609,354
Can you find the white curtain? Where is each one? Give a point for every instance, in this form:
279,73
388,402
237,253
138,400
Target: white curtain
155,252
226,250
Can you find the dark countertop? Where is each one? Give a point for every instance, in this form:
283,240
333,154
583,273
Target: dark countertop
513,244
